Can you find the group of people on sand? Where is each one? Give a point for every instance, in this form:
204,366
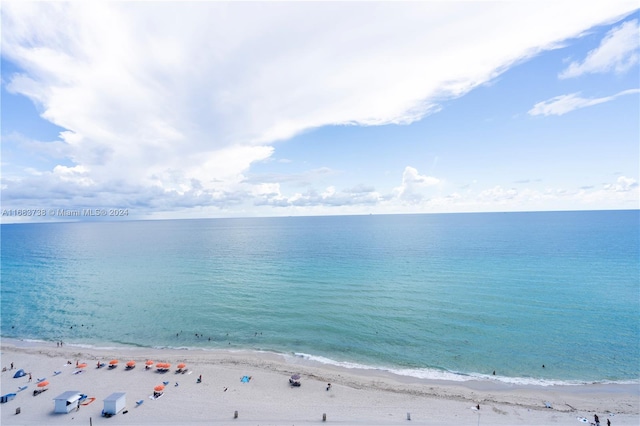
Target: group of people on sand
596,419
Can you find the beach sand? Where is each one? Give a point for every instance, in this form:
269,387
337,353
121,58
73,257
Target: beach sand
356,397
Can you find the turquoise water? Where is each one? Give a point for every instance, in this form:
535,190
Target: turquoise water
450,296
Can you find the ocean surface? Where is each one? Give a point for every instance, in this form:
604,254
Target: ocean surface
451,296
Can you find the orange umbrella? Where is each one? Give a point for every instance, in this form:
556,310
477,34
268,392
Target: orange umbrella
159,388
83,365
113,362
131,363
43,384
149,362
182,365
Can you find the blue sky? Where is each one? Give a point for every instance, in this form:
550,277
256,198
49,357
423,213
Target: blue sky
214,109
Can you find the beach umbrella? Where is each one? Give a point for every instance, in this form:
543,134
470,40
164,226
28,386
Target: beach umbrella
43,384
159,388
131,363
149,362
83,365
295,377
182,365
113,362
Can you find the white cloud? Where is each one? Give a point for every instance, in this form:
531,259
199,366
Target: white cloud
169,104
414,185
563,104
622,184
618,52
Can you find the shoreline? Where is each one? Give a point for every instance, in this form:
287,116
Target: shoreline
357,396
416,375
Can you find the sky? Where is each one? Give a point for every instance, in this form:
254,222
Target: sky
219,109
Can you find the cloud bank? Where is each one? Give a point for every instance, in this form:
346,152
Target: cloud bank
168,105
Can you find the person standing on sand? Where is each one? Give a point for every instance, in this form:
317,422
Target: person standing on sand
597,420
29,376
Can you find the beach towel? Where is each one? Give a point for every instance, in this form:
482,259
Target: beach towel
245,379
55,373
89,401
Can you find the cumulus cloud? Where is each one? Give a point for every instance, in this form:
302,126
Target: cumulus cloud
413,185
563,104
168,105
622,184
617,52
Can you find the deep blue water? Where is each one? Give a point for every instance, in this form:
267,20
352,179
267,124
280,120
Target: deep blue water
428,295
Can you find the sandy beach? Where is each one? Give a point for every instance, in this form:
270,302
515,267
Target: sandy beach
358,397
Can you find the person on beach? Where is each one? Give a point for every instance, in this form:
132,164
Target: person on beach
328,386
608,422
596,419
29,376
199,379
11,366
478,407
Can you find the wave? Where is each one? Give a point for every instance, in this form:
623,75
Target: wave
455,376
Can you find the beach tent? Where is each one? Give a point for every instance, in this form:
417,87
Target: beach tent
19,373
67,401
114,403
7,397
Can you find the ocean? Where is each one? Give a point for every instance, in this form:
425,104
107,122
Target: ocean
449,296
